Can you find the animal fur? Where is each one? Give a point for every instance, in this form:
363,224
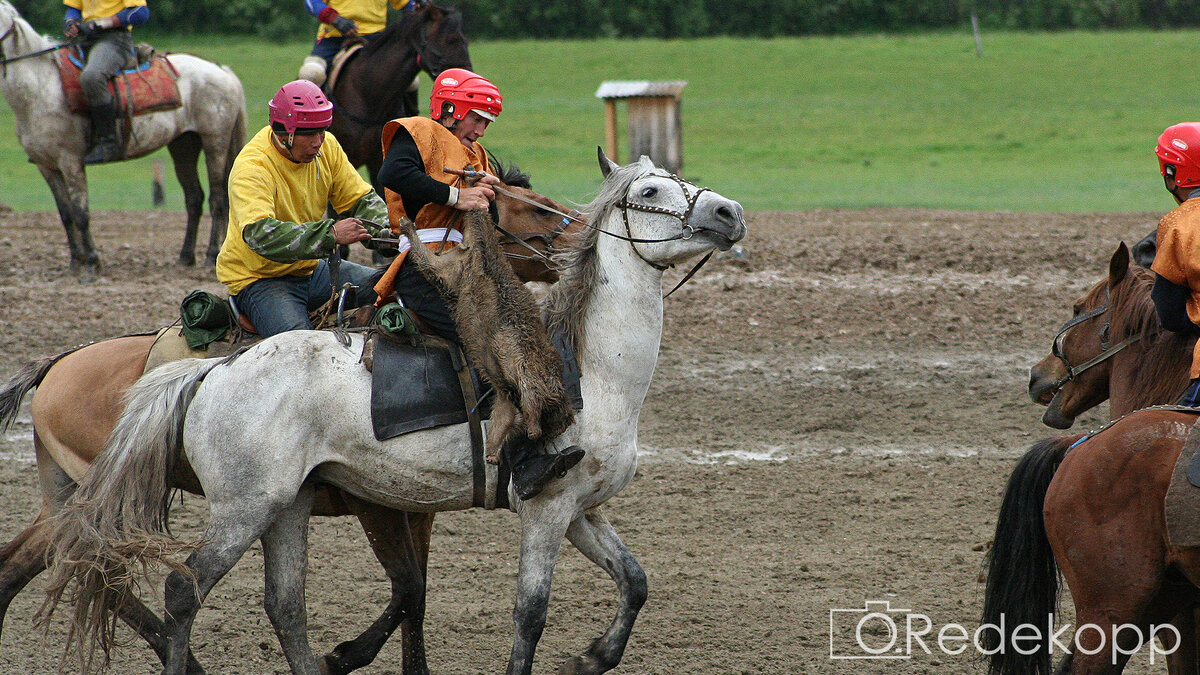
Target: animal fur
502,333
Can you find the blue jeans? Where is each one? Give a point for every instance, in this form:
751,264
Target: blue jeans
283,303
327,48
1191,397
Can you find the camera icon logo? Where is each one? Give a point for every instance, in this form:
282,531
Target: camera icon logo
874,632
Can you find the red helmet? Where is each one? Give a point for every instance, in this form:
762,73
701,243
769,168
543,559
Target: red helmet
300,105
1179,147
465,91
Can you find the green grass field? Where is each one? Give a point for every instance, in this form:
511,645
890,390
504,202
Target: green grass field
1043,122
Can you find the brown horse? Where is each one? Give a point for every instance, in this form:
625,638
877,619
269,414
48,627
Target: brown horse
372,87
1113,348
78,397
1096,514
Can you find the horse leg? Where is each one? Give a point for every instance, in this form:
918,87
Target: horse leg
1182,661
25,557
219,161
541,540
400,541
285,561
595,537
70,196
233,527
185,152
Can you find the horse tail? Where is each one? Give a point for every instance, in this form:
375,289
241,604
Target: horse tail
116,522
26,379
1023,578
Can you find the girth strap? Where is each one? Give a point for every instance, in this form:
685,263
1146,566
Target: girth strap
471,403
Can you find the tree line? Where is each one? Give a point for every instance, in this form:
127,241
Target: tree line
276,20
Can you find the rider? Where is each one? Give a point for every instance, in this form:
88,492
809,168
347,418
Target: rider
279,186
417,150
342,19
1176,291
105,27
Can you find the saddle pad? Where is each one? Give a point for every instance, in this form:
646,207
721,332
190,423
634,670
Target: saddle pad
1182,508
416,387
172,345
148,88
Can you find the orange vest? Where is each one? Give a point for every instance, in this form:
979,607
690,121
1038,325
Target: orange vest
440,149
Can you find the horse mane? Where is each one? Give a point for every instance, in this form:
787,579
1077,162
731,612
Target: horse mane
1168,355
509,174
567,302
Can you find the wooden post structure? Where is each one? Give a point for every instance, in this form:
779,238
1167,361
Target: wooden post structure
653,119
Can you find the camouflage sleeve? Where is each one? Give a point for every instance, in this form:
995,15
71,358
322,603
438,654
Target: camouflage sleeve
285,242
372,210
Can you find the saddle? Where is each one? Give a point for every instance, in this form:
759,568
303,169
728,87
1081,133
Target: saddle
339,61
148,87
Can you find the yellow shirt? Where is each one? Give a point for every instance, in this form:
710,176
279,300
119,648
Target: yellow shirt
99,9
1177,259
369,15
265,184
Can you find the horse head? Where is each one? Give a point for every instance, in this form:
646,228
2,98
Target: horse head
665,218
437,35
1088,362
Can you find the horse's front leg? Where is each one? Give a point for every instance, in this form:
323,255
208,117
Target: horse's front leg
595,537
400,541
70,196
543,525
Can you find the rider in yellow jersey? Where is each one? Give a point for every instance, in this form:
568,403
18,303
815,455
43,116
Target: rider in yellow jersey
342,19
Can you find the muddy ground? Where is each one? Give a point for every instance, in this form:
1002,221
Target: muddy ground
832,421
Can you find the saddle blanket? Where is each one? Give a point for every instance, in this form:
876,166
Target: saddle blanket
1182,507
148,88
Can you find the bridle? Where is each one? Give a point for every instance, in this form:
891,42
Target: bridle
1106,351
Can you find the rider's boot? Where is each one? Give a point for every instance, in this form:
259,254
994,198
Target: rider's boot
105,145
532,470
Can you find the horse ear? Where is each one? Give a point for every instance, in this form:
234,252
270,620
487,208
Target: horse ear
606,164
1118,266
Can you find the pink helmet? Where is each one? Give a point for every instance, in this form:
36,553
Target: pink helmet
300,105
466,91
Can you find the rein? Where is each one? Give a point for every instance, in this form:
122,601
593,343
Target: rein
5,60
1106,353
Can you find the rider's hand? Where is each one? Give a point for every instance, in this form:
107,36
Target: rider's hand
484,177
349,230
90,27
476,197
345,26
71,27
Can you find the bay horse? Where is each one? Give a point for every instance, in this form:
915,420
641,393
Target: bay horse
80,394
371,88
1111,349
258,478
1094,511
212,119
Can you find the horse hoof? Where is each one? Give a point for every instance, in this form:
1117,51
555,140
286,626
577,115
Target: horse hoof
187,261
580,666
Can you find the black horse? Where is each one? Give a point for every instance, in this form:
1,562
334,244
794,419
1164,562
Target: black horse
372,87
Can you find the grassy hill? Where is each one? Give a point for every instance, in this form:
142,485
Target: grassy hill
1043,122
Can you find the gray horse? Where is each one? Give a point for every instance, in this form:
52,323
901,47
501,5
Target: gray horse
212,118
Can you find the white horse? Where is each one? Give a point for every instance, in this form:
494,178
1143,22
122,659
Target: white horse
260,428
212,118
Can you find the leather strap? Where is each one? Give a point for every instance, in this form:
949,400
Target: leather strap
471,403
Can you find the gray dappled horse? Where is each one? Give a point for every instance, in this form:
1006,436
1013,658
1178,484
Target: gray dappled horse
258,461
212,119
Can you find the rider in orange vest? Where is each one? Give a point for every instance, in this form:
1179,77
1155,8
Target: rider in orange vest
104,26
1176,291
417,150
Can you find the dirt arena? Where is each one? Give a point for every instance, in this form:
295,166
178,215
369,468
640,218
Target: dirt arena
832,421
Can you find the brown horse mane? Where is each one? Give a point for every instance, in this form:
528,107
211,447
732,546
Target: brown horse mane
509,174
1168,355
